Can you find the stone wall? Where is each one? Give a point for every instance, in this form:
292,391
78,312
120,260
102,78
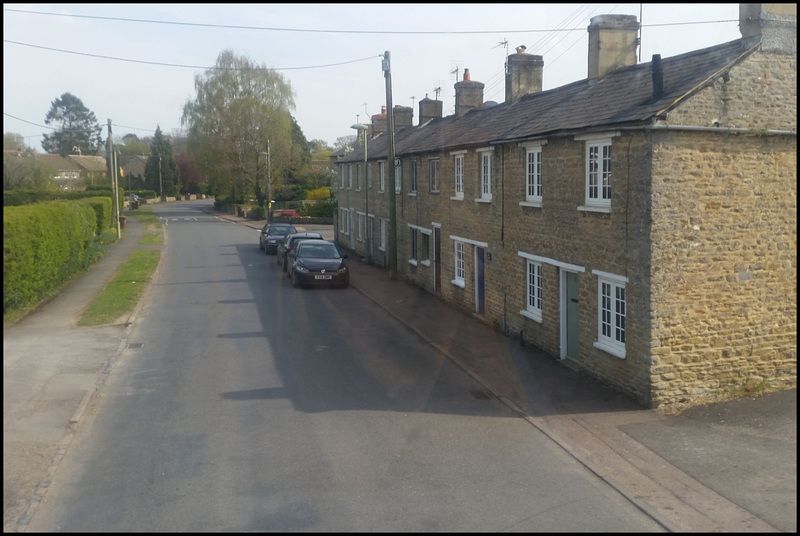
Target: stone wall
724,265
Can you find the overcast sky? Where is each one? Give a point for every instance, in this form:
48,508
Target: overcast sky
135,63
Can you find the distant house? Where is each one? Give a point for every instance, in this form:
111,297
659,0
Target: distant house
65,173
93,168
133,165
639,225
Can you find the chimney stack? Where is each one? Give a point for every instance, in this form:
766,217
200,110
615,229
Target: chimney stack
774,24
379,122
612,43
523,74
469,95
429,109
403,117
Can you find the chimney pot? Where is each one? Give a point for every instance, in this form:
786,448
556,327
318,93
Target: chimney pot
466,74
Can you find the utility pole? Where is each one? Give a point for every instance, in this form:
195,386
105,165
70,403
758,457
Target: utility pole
112,169
387,73
160,186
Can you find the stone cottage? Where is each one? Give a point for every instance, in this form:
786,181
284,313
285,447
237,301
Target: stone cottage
639,225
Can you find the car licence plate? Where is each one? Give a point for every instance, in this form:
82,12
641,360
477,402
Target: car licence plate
322,277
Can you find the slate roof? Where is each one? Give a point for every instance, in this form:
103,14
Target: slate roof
624,97
134,165
95,164
55,161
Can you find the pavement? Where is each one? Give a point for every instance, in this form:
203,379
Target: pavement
722,467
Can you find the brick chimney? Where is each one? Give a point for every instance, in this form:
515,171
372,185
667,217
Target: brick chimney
523,74
379,122
469,95
403,117
612,43
774,24
429,109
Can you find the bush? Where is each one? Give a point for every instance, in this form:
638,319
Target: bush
320,209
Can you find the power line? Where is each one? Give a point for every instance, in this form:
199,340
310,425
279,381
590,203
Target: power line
188,66
309,30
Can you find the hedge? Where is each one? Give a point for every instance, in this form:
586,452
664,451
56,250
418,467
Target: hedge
45,245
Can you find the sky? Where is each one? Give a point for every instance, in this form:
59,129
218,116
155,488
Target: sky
136,64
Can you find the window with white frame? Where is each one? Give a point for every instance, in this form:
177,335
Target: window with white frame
533,302
459,259
598,173
486,175
384,234
458,176
533,174
344,221
425,256
413,173
412,258
362,226
611,313
341,176
382,175
433,175
398,176
349,176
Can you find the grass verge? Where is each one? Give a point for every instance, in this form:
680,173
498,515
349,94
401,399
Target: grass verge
123,292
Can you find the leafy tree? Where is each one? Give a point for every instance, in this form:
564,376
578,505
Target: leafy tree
24,172
13,141
78,128
344,141
131,145
192,182
241,109
319,146
161,173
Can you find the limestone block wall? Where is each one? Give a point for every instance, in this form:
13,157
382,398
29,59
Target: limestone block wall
724,264
760,93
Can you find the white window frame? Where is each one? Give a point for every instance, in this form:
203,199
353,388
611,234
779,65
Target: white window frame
341,176
433,175
533,290
597,182
398,176
344,221
413,173
459,263
349,176
362,226
485,190
382,175
612,308
426,246
458,175
413,233
533,174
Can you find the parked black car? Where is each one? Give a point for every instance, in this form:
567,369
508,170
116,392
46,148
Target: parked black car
272,234
317,263
288,243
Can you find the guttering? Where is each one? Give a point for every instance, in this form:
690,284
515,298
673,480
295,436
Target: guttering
727,130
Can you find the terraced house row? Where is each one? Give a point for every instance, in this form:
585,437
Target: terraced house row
639,224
